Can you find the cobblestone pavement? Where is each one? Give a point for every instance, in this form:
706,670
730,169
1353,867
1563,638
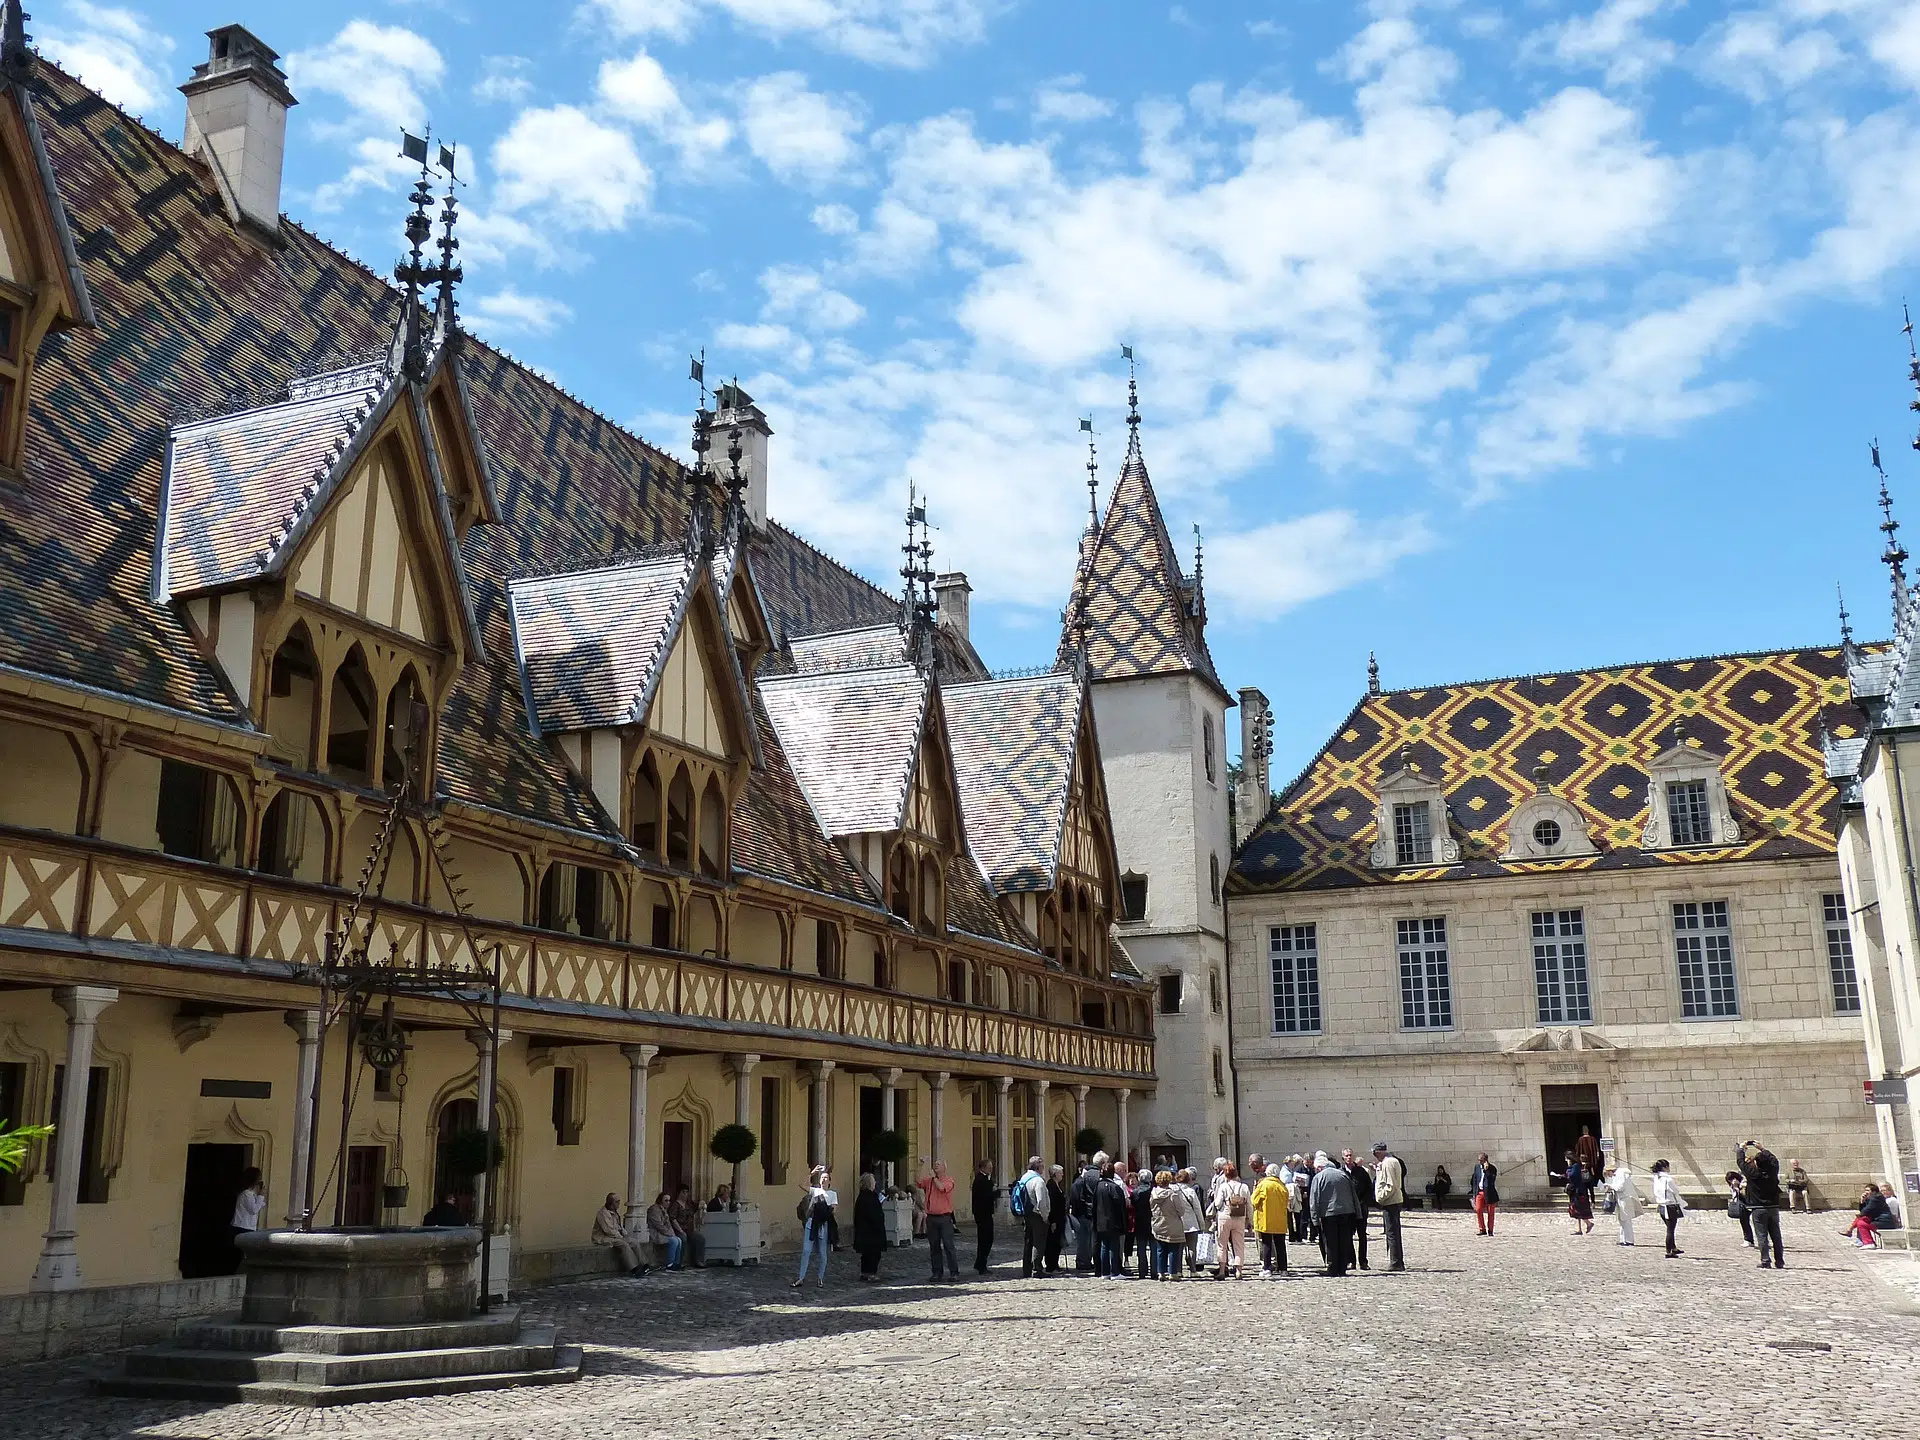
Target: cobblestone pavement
1480,1337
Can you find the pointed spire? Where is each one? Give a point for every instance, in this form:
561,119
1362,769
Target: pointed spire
1093,478
1849,655
697,477
917,605
1199,605
1133,410
1373,674
415,273
1894,557
446,314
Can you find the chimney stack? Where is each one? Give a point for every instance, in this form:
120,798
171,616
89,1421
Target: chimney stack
733,406
1252,795
237,121
950,593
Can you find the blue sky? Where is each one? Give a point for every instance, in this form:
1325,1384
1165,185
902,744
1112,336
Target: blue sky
1491,338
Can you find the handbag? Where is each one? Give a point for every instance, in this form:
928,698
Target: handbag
1203,1249
1736,1207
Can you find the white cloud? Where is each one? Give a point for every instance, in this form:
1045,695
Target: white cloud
638,89
583,174
1614,39
504,80
835,220
895,33
1064,99
114,50
380,72
509,312
799,133
1266,571
1896,43
799,293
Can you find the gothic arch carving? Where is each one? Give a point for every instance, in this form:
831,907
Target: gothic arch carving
690,1107
467,1087
233,1129
15,1048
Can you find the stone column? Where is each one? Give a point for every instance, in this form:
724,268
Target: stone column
483,1043
1040,1125
305,1025
59,1267
937,1127
817,1098
639,1057
888,1080
1079,1113
1003,1135
741,1068
1120,1098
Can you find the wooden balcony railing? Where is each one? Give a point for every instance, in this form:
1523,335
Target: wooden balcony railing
111,893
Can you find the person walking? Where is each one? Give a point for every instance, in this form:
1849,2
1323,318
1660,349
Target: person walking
1111,1206
986,1196
1667,1201
869,1228
1390,1194
1271,1204
1169,1229
1760,1186
1485,1189
1232,1204
938,1190
1331,1199
1056,1217
1080,1198
1362,1179
1579,1196
818,1205
1626,1200
1030,1201
1141,1199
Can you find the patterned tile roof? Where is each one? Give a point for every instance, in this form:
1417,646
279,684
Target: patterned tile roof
1139,605
591,641
776,835
1595,731
866,648
1013,749
851,737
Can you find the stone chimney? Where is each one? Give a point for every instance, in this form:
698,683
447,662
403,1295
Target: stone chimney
733,406
1251,796
237,122
950,593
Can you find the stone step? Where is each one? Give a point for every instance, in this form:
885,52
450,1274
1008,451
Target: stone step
565,1369
499,1327
534,1352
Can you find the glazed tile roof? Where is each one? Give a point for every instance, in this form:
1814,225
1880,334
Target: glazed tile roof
866,648
1595,731
1139,605
236,485
851,737
591,641
1013,751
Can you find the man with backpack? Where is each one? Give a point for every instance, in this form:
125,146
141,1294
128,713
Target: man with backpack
1031,1205
1760,1189
986,1195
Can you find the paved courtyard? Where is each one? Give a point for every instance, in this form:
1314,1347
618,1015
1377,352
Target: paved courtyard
1531,1331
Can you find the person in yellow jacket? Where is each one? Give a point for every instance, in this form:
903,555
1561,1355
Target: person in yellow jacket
1270,1206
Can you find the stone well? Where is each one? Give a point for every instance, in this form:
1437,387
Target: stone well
358,1277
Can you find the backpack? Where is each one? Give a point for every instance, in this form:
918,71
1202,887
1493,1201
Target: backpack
1237,1202
801,1210
1017,1197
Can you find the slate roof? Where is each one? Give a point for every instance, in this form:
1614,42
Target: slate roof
591,642
1139,604
851,737
1595,731
1013,752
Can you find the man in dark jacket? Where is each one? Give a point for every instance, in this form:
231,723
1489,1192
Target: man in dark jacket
1056,1217
1760,1188
1362,1179
986,1196
1111,1207
1080,1205
1142,1201
1330,1197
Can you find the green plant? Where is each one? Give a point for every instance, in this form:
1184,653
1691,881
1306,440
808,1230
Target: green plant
735,1144
466,1152
14,1145
1089,1142
890,1146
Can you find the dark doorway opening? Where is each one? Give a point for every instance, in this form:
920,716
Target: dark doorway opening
1566,1110
870,1127
676,1156
366,1166
456,1116
206,1209
1168,1157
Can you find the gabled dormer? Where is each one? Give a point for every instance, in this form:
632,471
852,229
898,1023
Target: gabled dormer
1687,802
1546,826
1412,830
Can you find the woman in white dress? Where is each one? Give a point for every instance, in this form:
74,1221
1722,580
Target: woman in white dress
1626,1200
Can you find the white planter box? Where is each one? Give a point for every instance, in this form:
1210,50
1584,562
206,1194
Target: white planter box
733,1236
499,1263
899,1215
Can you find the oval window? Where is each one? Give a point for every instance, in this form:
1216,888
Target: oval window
1546,833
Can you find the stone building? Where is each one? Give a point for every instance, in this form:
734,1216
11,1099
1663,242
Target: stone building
1489,915
751,838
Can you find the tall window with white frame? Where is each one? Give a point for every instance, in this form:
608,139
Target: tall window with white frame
1426,983
1689,822
1846,980
1703,947
1412,834
1293,952
1561,994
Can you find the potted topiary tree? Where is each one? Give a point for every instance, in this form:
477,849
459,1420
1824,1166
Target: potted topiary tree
890,1148
1089,1142
733,1234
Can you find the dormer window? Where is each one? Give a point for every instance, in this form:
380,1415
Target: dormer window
1412,834
1545,826
1410,820
1687,803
